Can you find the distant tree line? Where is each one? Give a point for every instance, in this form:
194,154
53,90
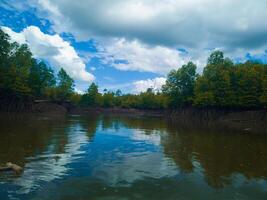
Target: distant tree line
223,84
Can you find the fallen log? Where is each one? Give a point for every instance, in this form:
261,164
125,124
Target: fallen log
11,167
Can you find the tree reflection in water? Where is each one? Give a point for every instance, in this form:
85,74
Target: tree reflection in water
220,153
52,144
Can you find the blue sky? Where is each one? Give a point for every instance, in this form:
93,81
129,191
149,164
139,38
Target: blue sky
132,44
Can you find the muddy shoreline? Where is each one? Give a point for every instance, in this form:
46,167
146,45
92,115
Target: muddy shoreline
238,120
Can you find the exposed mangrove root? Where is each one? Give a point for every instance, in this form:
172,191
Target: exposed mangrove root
11,167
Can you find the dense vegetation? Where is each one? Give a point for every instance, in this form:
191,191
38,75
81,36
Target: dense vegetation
23,78
223,84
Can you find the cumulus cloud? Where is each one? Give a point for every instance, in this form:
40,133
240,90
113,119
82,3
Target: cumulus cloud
143,85
184,23
59,53
144,35
135,56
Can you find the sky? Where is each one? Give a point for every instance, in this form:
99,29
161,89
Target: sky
132,44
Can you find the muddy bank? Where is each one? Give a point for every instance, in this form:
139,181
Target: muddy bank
184,113
237,120
49,108
121,111
31,107
15,104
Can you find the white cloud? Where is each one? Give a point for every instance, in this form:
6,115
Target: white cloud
15,37
124,87
79,91
136,86
51,168
59,53
154,136
93,68
146,33
135,56
143,85
187,23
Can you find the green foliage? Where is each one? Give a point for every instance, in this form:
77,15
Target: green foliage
51,93
263,97
222,83
180,85
41,78
91,97
213,88
15,63
22,76
150,100
108,99
249,84
216,58
203,97
65,85
75,98
129,101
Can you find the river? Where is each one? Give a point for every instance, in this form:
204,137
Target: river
105,157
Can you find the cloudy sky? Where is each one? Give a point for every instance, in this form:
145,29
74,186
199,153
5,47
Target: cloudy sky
132,44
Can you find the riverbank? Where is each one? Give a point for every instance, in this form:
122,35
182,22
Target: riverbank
240,120
121,111
247,121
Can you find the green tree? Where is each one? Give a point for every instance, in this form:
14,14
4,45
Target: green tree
216,58
203,96
108,99
147,100
75,98
213,87
180,85
92,96
41,78
5,51
65,85
263,97
250,84
16,71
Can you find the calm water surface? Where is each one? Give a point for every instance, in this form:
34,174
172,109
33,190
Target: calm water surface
120,157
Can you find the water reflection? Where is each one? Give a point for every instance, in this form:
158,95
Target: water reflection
221,155
129,157
44,146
